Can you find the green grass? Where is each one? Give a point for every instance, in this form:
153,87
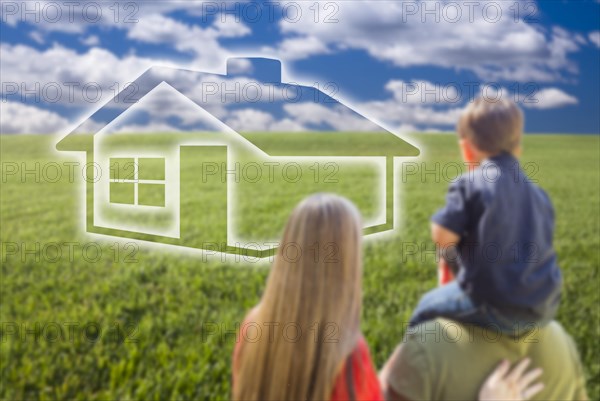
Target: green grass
169,296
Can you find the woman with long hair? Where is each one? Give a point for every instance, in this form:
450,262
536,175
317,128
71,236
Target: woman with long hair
303,340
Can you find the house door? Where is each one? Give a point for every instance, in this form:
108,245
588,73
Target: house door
203,196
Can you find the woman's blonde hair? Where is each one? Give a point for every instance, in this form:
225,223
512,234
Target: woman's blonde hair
310,311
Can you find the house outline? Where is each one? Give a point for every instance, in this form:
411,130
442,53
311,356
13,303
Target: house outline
85,142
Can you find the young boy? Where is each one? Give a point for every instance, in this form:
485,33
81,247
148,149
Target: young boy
497,228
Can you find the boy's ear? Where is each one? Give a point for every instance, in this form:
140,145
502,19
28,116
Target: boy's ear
445,274
467,150
518,151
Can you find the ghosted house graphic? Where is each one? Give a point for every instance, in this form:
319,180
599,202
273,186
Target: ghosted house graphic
174,187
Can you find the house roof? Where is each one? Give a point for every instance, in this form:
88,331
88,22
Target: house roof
342,132
336,143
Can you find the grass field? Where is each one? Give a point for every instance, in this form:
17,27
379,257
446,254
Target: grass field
151,308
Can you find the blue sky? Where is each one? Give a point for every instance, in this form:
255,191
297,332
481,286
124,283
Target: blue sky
410,65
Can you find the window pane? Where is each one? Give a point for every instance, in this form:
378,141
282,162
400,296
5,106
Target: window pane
151,194
151,168
122,168
122,193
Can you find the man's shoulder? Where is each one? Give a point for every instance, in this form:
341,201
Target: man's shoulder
438,335
444,334
556,329
556,336
439,353
445,325
438,326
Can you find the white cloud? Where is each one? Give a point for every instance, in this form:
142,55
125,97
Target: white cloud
500,50
308,113
406,128
89,126
492,49
19,118
164,103
229,28
287,125
594,37
102,71
495,92
163,109
259,120
298,48
92,40
78,17
202,43
393,112
417,104
550,98
37,37
249,120
424,92
336,116
396,113
547,98
151,127
84,80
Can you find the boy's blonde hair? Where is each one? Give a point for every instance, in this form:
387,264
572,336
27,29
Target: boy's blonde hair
493,126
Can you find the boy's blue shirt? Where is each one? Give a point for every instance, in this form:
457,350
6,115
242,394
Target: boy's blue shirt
506,225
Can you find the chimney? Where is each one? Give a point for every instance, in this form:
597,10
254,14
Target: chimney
257,68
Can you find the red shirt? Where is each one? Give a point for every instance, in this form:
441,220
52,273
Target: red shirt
364,381
364,377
